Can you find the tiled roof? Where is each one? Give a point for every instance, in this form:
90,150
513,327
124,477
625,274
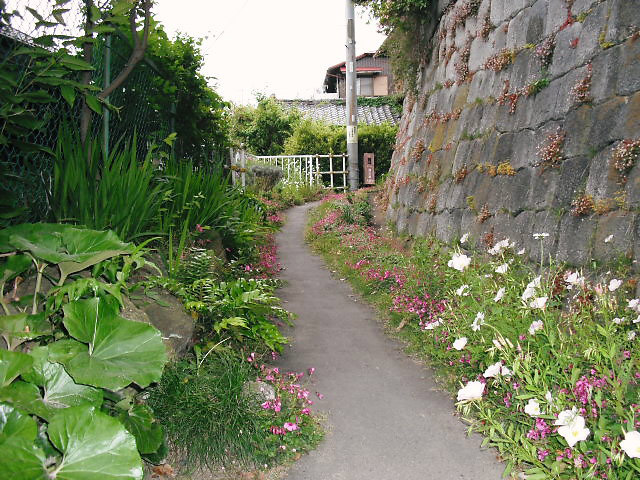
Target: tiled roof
334,112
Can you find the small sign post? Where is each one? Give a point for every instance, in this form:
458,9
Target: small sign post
369,169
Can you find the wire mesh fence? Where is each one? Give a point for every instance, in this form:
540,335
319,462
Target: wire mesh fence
28,175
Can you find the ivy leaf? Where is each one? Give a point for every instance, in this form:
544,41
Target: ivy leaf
119,351
20,459
17,329
139,421
94,446
13,364
69,94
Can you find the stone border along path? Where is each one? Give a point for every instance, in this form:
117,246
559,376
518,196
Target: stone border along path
386,418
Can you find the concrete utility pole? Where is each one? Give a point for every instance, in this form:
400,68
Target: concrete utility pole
352,98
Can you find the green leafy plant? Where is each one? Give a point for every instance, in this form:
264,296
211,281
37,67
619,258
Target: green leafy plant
81,358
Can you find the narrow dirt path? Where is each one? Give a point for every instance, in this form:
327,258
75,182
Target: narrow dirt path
387,421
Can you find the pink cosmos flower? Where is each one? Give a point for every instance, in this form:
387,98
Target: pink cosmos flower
290,427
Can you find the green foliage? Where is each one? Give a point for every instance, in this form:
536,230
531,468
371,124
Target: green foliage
263,130
263,178
75,371
311,137
105,192
201,115
207,432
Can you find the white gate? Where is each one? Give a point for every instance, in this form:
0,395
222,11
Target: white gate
330,171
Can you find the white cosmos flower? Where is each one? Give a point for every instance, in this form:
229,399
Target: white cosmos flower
478,322
521,252
608,239
471,391
463,291
459,261
505,372
614,284
460,343
464,238
631,444
575,431
631,336
618,320
499,295
574,279
502,268
634,304
637,320
548,397
535,326
532,408
539,302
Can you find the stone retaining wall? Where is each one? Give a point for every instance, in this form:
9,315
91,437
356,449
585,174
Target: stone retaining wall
521,109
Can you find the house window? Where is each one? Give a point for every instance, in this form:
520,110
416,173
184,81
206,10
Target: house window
381,86
365,86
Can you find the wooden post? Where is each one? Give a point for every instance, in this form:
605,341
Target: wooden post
344,174
331,169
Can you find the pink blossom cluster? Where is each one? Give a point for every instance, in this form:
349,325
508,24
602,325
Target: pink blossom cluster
426,308
324,224
539,430
395,278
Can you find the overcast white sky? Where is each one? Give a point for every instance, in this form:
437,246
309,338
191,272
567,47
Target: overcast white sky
280,47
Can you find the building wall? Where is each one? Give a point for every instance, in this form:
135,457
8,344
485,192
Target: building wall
382,62
469,155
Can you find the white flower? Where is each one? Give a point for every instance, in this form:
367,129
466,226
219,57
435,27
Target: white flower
505,372
538,236
532,408
634,305
530,291
573,279
565,417
574,431
499,295
608,239
539,302
460,343
618,321
459,261
637,320
463,291
614,284
631,336
521,252
500,246
535,326
431,326
478,322
548,397
631,444
502,268
471,391
464,238
493,370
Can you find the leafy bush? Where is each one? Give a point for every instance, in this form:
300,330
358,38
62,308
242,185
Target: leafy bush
263,178
72,380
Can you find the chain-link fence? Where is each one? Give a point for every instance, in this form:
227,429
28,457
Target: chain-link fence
27,174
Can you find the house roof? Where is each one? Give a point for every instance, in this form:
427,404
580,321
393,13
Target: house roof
335,112
343,64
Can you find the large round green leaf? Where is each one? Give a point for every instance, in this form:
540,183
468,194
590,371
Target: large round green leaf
94,446
148,433
119,351
20,459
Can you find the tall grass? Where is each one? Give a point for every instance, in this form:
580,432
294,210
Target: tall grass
101,191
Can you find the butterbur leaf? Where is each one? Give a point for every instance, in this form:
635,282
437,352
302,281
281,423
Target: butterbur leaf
58,388
17,329
139,421
13,364
20,459
94,446
115,351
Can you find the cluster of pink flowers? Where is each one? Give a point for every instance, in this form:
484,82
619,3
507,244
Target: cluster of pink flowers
581,91
274,218
624,157
539,430
427,309
395,278
550,151
324,224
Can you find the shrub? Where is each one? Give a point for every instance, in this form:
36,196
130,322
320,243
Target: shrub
264,177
